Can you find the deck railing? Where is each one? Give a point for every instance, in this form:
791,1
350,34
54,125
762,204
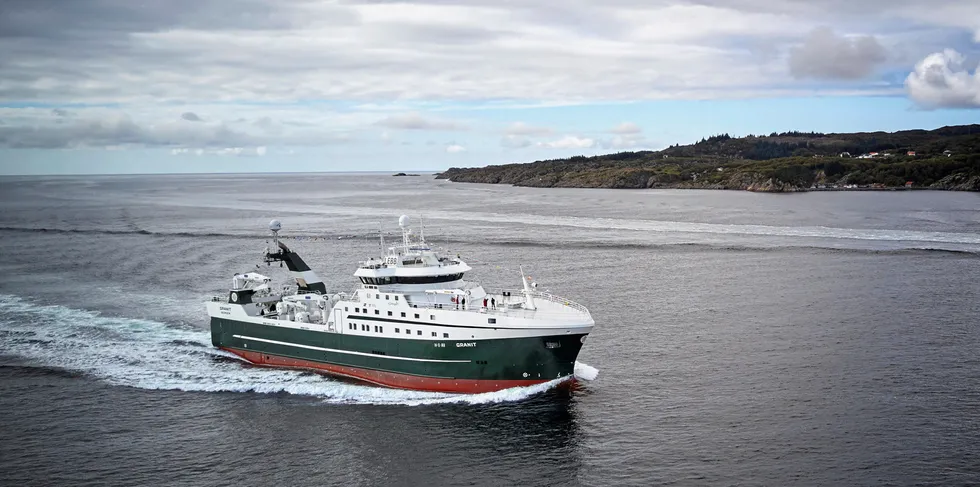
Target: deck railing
553,298
505,299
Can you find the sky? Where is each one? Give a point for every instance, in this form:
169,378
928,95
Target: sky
172,86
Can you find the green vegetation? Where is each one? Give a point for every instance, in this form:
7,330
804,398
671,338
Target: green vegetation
945,158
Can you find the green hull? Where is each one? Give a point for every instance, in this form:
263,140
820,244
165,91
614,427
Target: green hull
506,359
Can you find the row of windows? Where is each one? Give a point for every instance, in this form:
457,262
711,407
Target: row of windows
363,327
381,329
403,315
381,281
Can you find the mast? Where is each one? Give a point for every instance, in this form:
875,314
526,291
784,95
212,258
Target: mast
528,299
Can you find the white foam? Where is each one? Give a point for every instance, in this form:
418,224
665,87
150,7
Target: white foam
148,354
585,371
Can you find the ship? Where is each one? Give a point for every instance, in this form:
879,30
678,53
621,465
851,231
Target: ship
412,322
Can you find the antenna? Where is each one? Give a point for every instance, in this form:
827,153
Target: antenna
381,230
421,229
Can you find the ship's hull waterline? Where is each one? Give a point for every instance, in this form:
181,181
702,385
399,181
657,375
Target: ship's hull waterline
473,366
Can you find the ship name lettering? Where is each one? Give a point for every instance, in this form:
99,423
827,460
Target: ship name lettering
465,344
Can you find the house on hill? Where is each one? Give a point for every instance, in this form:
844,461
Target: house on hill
910,153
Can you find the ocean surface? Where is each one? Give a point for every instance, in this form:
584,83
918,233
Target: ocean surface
741,339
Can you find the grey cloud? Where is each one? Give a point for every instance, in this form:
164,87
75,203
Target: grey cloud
123,131
825,55
414,121
60,112
57,19
191,117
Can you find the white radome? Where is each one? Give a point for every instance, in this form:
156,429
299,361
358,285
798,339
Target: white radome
403,221
275,225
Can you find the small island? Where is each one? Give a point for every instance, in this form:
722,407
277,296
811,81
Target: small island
403,174
946,158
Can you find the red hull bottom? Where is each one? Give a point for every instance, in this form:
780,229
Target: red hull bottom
388,379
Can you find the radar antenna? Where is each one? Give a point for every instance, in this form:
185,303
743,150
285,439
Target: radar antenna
274,227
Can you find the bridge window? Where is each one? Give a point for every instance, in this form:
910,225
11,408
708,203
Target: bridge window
435,334
357,310
377,311
492,320
397,331
432,317
403,314
387,297
445,335
407,331
396,298
416,316
420,333
389,313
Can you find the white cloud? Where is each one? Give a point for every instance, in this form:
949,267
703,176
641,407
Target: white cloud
378,52
515,141
224,151
625,142
569,142
415,121
523,129
826,55
319,72
626,128
941,80
455,148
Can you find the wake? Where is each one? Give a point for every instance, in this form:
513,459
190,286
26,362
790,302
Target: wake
147,354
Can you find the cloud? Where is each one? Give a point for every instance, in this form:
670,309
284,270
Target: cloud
521,128
626,128
941,81
825,55
569,142
191,117
101,127
455,148
224,151
515,142
372,52
415,121
624,142
128,74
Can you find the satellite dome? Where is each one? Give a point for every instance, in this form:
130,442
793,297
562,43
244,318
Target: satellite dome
275,226
403,221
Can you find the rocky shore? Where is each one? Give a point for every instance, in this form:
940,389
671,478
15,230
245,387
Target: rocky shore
947,158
